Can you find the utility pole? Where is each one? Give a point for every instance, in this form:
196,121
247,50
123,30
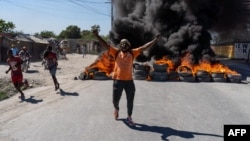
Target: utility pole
111,12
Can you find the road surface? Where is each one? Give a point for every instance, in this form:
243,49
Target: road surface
83,110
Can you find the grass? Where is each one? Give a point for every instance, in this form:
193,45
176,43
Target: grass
3,95
6,89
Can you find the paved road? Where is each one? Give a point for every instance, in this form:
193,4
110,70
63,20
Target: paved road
83,111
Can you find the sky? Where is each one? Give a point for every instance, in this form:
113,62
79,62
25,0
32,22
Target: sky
34,16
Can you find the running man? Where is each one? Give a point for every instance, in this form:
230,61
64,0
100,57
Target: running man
51,60
14,63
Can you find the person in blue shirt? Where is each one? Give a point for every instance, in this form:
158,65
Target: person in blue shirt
14,50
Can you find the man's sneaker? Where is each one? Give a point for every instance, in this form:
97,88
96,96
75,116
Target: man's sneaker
130,121
57,87
116,114
22,97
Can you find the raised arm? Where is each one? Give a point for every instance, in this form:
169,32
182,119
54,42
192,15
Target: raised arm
151,43
102,42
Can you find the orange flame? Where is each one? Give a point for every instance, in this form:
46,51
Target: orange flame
104,63
166,60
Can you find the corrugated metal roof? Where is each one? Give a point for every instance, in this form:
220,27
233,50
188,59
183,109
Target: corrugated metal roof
30,38
38,40
23,37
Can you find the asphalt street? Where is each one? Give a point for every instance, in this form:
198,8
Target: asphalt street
83,111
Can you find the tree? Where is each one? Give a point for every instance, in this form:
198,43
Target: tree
46,34
6,26
95,27
87,35
71,32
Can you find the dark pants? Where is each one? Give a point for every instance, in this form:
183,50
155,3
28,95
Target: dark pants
129,87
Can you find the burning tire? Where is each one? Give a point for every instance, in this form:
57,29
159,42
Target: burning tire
160,67
219,77
82,76
187,78
140,72
185,74
140,67
218,74
140,75
100,76
173,76
234,78
203,76
159,76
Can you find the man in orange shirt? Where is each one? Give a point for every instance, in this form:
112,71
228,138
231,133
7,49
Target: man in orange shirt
122,73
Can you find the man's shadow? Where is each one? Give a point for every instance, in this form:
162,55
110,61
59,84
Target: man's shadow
31,100
64,93
166,131
32,71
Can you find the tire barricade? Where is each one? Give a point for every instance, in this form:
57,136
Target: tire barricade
219,77
234,78
203,76
159,72
186,74
140,72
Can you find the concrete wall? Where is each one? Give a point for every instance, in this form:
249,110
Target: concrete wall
235,50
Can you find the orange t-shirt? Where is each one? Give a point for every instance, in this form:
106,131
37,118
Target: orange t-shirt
123,66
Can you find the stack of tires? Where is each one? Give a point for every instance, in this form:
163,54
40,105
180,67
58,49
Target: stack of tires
219,77
203,76
140,72
234,78
185,74
159,72
98,75
173,76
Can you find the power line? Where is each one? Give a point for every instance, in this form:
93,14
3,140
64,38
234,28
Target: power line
89,8
19,5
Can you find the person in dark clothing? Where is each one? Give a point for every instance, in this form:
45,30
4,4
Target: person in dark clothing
52,63
122,71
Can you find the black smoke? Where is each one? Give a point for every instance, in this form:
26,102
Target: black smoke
185,25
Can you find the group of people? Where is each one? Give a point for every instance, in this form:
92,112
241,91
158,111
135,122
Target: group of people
122,71
23,53
15,62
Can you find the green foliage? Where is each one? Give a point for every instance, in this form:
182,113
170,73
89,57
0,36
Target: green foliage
71,32
6,89
88,35
6,26
95,27
3,95
46,34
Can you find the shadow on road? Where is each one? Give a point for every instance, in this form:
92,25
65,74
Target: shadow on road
64,93
166,131
33,101
32,71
